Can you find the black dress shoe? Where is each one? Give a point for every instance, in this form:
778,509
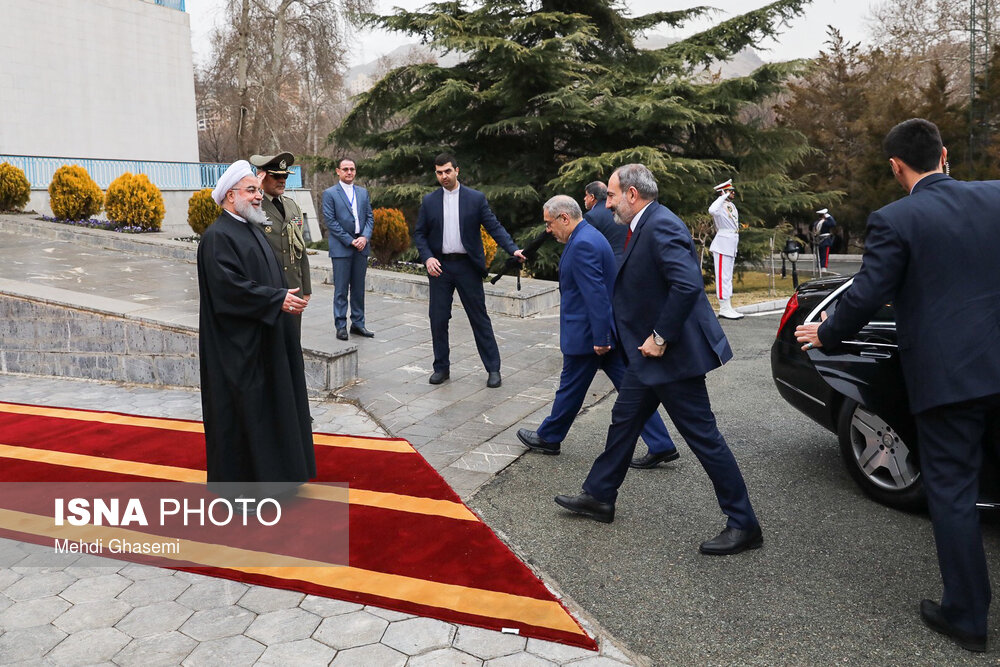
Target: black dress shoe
532,441
930,611
342,334
493,381
437,377
361,331
652,460
588,506
733,541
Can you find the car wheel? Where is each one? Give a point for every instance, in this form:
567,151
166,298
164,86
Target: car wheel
883,465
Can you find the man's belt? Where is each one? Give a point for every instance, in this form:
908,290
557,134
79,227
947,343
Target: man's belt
454,256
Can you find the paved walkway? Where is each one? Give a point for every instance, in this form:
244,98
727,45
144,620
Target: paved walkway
109,612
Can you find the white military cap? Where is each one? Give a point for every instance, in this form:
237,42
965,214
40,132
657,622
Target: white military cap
236,172
822,211
727,185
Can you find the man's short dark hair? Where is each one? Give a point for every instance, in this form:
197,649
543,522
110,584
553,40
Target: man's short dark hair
597,189
341,161
917,142
444,158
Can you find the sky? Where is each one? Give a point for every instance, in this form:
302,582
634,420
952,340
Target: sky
803,38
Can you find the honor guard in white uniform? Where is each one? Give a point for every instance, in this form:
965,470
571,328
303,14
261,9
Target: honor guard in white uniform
823,236
727,237
283,228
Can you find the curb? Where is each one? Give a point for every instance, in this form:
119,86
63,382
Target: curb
763,306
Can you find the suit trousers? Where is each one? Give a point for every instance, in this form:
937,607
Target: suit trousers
952,441
462,275
578,372
686,402
349,281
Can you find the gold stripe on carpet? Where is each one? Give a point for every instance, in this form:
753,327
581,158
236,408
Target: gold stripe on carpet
462,599
351,442
392,501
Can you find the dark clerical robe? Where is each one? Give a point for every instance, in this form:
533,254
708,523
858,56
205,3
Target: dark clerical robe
253,387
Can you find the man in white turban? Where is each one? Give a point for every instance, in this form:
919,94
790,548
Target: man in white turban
253,388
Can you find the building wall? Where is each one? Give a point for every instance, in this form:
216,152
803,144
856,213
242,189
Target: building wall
109,79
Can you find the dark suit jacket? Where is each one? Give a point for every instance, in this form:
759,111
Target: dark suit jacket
339,217
933,255
603,220
473,212
659,286
586,285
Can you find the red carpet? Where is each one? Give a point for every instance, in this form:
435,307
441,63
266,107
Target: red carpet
413,545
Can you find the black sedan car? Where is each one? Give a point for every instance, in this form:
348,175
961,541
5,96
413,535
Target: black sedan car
856,390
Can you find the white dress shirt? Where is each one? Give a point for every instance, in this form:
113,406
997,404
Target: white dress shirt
352,198
451,233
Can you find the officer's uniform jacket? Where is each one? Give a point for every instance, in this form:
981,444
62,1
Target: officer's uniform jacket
727,225
285,237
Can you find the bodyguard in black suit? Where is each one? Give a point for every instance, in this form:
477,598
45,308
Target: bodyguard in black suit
672,339
932,254
602,219
450,245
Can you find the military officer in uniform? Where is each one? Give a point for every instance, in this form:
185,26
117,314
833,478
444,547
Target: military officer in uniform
823,231
727,237
283,228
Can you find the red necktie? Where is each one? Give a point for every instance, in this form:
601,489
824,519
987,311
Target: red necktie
628,236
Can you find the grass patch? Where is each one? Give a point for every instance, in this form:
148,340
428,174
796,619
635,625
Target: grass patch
755,287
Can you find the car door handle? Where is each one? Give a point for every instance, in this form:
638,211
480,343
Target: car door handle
875,354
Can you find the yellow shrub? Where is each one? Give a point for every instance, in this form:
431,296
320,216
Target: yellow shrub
489,246
15,190
134,201
73,194
202,210
390,236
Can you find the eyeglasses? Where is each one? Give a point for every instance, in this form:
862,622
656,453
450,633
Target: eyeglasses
250,189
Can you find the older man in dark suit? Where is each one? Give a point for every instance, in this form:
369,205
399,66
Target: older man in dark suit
450,245
672,339
932,255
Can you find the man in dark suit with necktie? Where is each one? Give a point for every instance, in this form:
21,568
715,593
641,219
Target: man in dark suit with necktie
450,245
601,218
672,339
932,255
587,271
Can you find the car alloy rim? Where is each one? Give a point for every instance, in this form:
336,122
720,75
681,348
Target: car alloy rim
880,453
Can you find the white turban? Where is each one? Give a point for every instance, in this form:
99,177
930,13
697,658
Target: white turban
236,172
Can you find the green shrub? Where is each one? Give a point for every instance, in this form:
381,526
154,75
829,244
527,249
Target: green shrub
15,190
391,236
73,194
134,201
202,211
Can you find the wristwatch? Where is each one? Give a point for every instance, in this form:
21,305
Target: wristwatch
658,339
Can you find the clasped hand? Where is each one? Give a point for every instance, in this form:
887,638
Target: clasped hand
292,303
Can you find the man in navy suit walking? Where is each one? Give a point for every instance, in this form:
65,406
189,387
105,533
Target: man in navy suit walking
595,197
586,332
450,245
347,209
932,254
672,339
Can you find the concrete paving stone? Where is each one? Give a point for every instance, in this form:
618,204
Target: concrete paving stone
598,661
520,660
464,482
88,565
238,650
283,625
29,643
558,653
163,650
368,656
217,623
88,647
4,603
34,586
32,613
484,462
388,614
415,636
103,587
7,577
610,650
158,589
487,644
154,619
301,653
46,561
444,657
325,607
10,552
261,599
92,615
209,593
355,629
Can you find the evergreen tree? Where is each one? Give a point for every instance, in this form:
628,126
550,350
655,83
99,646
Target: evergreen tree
552,94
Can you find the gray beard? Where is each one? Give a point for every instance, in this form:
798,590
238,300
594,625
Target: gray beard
247,211
619,219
